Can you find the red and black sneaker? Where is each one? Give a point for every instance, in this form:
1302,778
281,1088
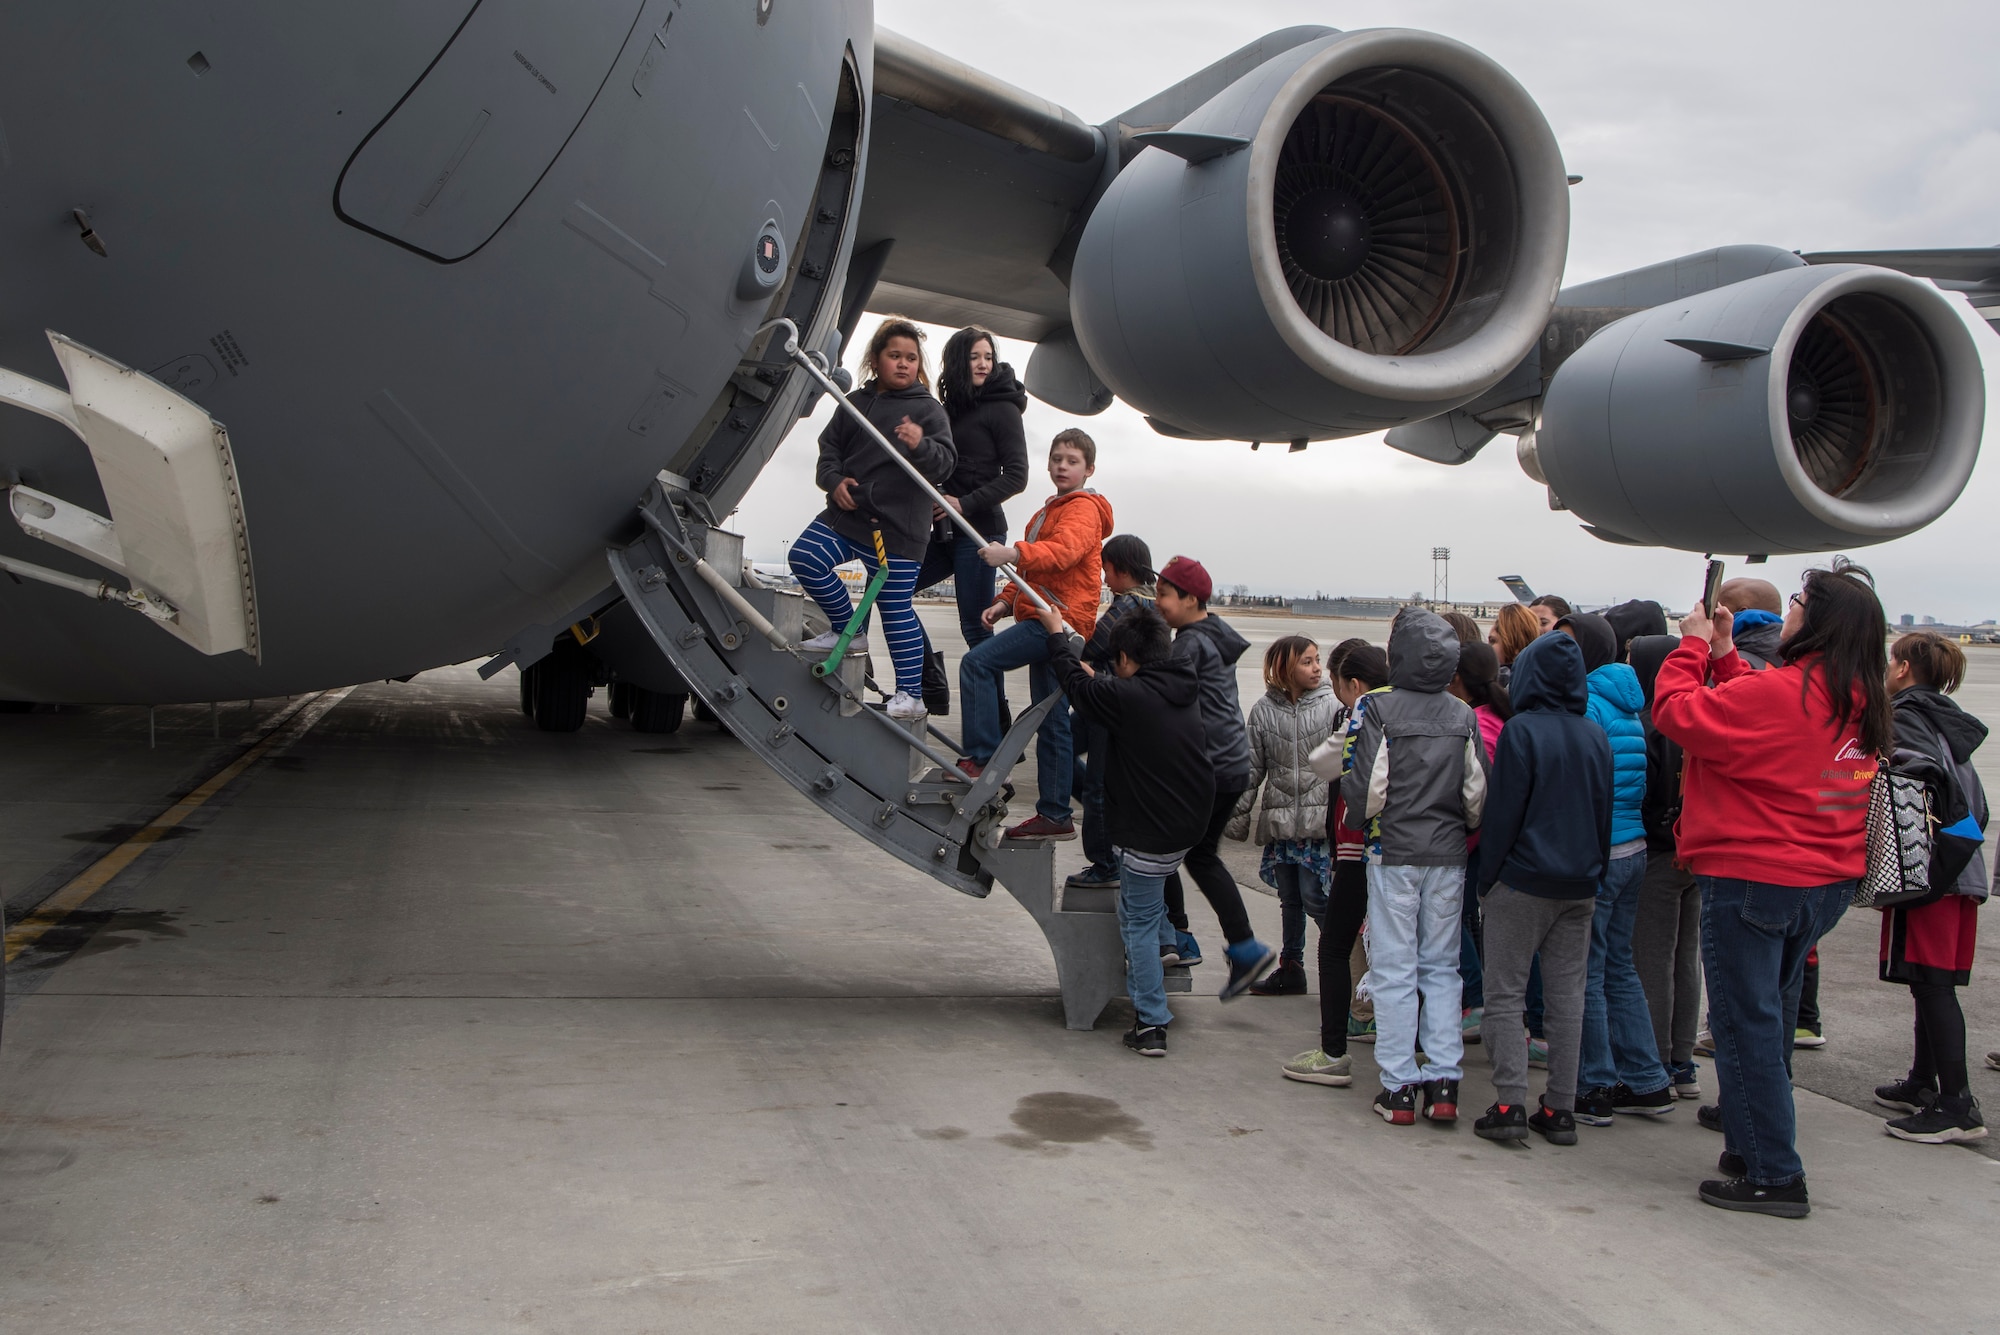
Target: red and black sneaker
1441,1101
1398,1107
970,768
1041,827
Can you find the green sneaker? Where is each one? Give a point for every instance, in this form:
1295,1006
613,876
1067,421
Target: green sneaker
1360,1031
1316,1068
1538,1053
1808,1038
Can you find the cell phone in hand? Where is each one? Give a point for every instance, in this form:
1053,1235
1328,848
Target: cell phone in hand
1711,587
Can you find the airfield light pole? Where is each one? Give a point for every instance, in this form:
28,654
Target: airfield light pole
1440,574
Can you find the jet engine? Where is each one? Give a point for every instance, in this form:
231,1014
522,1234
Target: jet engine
1366,230
1800,411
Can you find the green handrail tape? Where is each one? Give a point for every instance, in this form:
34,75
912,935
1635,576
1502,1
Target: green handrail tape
831,664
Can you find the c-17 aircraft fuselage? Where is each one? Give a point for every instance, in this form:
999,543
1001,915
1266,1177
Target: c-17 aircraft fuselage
418,297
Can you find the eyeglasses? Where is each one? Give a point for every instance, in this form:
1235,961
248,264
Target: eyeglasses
1799,599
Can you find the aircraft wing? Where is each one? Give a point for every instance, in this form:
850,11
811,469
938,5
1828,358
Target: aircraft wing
1975,271
977,190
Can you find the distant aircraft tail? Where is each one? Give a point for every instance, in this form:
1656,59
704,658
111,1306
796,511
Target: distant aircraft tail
1518,587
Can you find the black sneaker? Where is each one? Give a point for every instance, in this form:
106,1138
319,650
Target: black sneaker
1398,1107
1148,1040
1730,1164
1942,1123
1906,1095
1508,1121
1740,1193
1709,1116
1554,1125
1287,980
1093,878
1593,1107
1655,1104
1441,1101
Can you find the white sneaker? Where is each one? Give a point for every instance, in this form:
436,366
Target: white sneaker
823,644
905,707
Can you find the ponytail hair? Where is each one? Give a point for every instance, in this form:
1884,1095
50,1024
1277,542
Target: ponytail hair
1933,660
1479,674
1361,661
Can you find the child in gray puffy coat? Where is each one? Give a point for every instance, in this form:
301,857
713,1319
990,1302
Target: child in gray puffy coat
1295,715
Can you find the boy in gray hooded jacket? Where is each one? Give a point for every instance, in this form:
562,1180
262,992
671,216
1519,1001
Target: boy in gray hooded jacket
1418,778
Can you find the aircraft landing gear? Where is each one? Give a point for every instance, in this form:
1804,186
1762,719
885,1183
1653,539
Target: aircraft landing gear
656,711
560,688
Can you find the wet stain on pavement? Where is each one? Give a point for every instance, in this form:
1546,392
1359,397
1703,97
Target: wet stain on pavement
818,848
1055,1120
722,788
942,1133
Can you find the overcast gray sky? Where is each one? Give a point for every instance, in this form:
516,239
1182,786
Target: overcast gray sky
1828,125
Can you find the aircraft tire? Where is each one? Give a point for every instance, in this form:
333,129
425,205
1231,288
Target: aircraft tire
562,691
16,706
621,699
657,711
704,713
528,691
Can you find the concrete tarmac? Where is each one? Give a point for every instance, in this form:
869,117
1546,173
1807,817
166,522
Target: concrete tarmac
434,1022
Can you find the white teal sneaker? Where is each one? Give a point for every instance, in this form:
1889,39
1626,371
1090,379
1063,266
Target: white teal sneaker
1538,1053
823,643
906,708
1316,1068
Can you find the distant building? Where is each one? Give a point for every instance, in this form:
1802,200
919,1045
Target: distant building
1906,619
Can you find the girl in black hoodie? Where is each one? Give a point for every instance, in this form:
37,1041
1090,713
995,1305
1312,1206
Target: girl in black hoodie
984,402
1928,947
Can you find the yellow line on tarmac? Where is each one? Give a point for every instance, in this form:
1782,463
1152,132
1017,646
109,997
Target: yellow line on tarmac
291,726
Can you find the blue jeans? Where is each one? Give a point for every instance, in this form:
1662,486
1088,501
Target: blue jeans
1024,644
1618,1044
1300,892
973,582
1413,917
1142,922
1754,941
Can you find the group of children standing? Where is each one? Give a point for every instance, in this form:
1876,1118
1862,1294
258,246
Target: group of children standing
1515,783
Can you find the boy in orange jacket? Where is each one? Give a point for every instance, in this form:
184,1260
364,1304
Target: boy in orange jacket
1058,555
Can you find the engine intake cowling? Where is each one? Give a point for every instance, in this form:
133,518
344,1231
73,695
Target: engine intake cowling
1800,411
1366,230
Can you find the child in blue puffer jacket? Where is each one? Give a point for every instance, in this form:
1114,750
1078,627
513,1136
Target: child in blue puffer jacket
1621,1069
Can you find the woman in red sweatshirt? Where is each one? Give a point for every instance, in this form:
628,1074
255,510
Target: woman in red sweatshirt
1773,823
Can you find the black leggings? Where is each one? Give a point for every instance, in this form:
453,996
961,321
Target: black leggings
1212,878
1346,906
1940,1059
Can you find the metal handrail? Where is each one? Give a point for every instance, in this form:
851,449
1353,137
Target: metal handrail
813,365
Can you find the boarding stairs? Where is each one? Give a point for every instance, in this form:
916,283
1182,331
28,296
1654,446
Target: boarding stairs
818,719
895,784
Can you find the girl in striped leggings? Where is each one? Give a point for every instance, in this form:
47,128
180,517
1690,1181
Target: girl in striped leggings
874,506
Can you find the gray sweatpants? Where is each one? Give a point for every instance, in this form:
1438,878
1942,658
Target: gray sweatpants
1518,927
1666,947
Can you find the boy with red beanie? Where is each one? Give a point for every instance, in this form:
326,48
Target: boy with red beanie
1212,644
